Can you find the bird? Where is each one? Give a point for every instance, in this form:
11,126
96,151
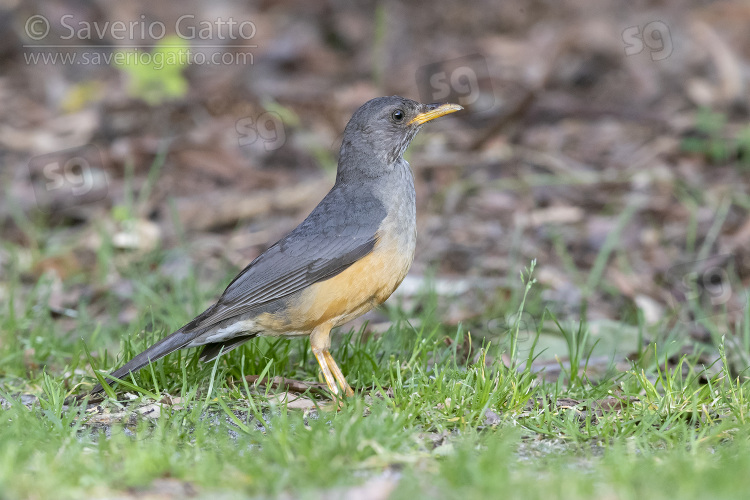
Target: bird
348,256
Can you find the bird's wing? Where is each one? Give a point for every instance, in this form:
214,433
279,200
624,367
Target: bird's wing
332,238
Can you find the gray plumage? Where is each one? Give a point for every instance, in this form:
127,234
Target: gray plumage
374,190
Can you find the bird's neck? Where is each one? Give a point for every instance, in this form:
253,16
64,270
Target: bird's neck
356,162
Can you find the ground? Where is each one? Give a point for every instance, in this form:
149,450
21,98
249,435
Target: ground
577,320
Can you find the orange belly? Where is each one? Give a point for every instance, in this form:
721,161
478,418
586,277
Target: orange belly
351,293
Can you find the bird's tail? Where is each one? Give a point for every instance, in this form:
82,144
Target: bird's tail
165,346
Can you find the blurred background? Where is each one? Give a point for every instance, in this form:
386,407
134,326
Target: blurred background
608,141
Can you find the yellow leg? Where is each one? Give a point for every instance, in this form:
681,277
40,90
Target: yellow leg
337,374
320,356
320,341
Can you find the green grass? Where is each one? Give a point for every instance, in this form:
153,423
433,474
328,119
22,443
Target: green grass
713,139
666,427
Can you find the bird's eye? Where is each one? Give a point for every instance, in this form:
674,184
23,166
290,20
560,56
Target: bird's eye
398,115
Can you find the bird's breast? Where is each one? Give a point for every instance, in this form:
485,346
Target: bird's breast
370,280
351,293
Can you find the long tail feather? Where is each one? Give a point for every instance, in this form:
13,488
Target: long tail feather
165,346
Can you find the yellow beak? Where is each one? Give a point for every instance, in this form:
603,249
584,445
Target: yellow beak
434,111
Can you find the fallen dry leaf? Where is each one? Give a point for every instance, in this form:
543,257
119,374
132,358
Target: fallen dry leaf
292,401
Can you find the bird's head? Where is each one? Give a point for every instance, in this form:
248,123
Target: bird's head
379,132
